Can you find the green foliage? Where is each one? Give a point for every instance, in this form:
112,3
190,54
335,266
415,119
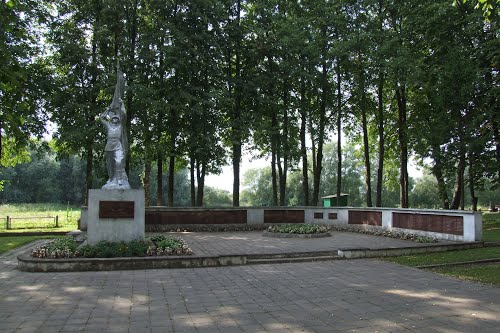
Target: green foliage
157,238
68,247
170,245
206,77
12,154
105,249
215,197
59,248
43,178
24,83
377,231
299,228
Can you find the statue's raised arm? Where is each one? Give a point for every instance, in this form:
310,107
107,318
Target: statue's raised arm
114,119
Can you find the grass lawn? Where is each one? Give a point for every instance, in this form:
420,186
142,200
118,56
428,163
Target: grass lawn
11,242
447,257
486,274
491,227
30,221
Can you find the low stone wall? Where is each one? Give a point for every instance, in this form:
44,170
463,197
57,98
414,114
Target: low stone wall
452,225
443,224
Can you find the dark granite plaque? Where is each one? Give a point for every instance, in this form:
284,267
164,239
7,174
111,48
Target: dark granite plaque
116,209
318,215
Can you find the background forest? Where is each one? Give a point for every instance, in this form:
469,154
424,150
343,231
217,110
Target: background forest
208,80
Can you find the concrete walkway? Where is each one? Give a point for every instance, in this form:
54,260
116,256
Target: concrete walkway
329,296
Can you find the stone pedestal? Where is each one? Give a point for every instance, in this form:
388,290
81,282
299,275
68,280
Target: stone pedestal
115,215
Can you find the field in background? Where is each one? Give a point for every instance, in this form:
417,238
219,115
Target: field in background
491,227
31,222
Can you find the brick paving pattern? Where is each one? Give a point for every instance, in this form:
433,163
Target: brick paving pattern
217,243
329,296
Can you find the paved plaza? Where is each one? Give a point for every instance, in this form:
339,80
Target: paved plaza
328,296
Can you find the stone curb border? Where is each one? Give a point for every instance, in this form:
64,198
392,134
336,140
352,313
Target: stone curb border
30,264
462,263
290,235
355,253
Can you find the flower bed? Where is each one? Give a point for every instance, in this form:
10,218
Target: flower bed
374,231
299,229
157,245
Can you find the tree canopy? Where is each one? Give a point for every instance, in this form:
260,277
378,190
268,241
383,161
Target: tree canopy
209,79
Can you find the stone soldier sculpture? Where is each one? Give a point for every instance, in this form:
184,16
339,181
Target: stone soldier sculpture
114,119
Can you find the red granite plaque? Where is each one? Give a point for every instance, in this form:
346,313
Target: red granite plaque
116,209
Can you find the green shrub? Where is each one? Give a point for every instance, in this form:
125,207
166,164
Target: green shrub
157,238
376,231
137,248
169,246
67,248
105,249
298,228
59,248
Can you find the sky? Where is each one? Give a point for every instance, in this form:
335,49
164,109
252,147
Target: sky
225,179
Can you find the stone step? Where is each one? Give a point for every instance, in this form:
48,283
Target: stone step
282,260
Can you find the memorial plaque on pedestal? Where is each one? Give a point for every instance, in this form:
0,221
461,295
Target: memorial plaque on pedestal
115,216
116,209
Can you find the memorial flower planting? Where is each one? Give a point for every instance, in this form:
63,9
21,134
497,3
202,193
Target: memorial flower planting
298,229
157,245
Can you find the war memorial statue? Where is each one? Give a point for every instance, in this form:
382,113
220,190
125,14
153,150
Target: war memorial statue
115,212
114,119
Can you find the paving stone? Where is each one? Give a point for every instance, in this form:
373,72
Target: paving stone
329,296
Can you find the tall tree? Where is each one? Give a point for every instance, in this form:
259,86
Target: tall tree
25,73
80,47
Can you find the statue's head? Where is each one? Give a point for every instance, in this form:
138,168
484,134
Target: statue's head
114,117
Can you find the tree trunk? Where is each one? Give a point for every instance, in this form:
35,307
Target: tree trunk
200,177
93,99
173,146
274,178
366,148
472,181
313,150
88,173
275,160
496,138
403,145
381,140
159,179
236,174
171,179
130,76
322,120
159,149
457,197
339,133
303,148
1,143
286,151
192,182
147,181
437,170
236,122
364,124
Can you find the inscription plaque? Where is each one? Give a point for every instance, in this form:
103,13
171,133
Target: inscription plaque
116,209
